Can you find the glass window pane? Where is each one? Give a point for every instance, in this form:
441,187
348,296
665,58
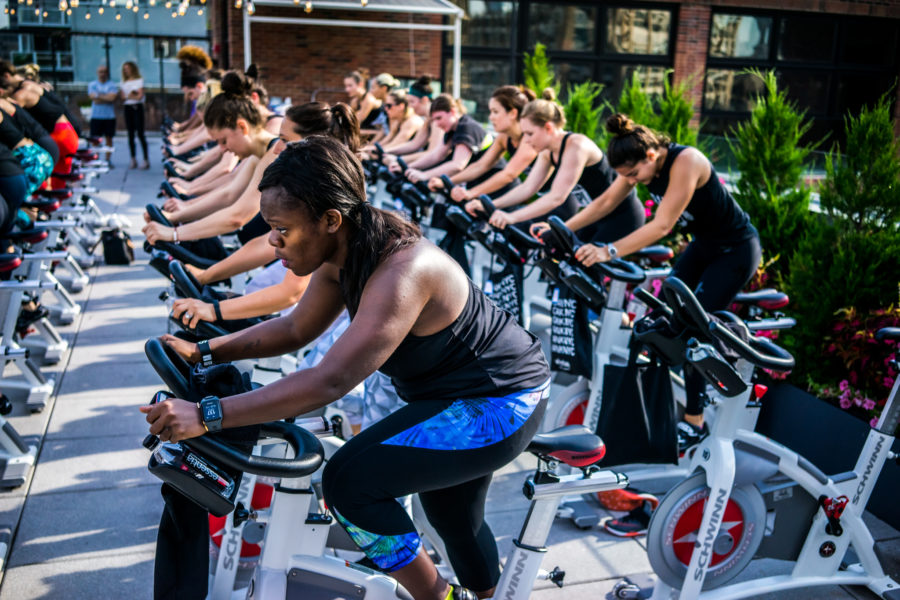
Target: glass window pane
487,24
807,39
478,80
809,89
740,36
570,74
856,90
614,77
870,42
637,31
731,90
561,27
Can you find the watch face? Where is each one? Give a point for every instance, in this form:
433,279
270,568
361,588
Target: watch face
211,411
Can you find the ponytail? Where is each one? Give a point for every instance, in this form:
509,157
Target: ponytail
344,126
630,141
317,118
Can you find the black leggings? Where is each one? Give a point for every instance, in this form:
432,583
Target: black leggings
134,121
415,450
716,273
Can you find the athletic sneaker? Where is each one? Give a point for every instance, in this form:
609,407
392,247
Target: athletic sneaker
631,525
625,500
457,592
690,435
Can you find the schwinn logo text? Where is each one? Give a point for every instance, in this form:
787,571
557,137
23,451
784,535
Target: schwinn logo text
706,552
868,472
232,543
516,578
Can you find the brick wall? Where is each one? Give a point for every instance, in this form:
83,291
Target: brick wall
691,42
298,60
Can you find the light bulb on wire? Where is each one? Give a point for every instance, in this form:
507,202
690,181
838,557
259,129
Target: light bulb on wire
250,7
363,2
87,16
100,10
118,16
308,7
146,15
238,4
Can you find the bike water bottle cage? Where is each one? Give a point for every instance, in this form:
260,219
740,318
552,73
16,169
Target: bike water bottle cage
211,413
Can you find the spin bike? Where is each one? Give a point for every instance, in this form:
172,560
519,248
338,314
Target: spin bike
294,562
749,496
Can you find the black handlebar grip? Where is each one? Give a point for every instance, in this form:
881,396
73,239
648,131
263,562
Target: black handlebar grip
760,351
184,281
156,215
170,367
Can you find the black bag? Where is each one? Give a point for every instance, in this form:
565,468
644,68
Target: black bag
570,334
637,414
118,248
504,288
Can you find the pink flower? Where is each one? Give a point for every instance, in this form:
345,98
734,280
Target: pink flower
873,422
845,397
831,348
648,203
648,212
858,400
868,404
845,403
843,385
889,382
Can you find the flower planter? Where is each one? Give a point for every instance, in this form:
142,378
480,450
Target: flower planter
830,438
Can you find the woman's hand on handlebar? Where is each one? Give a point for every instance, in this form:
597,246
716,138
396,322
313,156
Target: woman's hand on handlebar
157,232
191,311
460,194
174,420
198,273
591,254
435,184
186,350
538,229
414,175
172,205
500,219
474,207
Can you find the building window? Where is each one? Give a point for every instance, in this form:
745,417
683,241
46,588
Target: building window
869,43
807,39
487,24
562,27
165,48
615,77
478,80
740,36
637,31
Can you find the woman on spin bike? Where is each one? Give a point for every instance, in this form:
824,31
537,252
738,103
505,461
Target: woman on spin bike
475,382
576,170
491,173
724,253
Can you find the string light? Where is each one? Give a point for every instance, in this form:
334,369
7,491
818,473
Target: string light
146,15
168,5
100,10
87,16
363,2
37,12
296,2
69,12
62,5
128,5
174,14
308,7
12,11
199,12
250,7
238,4
45,13
152,2
118,16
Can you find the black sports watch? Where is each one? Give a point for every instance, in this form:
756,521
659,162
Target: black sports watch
206,358
211,413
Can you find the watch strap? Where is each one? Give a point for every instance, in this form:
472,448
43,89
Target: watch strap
211,413
217,310
206,358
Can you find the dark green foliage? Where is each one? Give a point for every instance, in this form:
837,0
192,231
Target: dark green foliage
582,110
538,73
770,158
675,113
864,185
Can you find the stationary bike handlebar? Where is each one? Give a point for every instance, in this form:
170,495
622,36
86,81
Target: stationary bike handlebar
308,452
156,215
172,248
184,281
759,351
514,235
618,269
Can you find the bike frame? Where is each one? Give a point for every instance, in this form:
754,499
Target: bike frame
716,457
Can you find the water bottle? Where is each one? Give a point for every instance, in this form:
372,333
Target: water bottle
192,474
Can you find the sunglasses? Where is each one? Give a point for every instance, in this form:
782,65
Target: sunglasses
388,105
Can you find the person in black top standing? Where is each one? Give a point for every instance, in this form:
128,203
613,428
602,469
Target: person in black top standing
475,383
465,140
725,250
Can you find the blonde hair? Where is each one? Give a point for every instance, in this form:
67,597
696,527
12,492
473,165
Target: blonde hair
541,111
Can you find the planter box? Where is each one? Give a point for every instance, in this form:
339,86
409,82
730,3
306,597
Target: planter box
830,438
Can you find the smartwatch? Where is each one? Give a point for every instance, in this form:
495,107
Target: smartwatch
206,358
613,253
211,413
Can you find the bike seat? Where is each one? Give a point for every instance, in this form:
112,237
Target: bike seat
888,333
574,445
61,194
10,261
86,155
68,176
46,205
27,236
768,298
656,253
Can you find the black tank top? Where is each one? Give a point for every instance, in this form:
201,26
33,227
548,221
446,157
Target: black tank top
368,122
46,112
712,214
596,178
482,353
10,135
29,126
256,226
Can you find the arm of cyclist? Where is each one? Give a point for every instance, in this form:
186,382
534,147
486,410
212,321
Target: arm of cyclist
524,156
255,253
203,206
539,174
474,169
458,161
602,205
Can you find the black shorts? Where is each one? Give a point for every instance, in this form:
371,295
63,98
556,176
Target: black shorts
103,127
